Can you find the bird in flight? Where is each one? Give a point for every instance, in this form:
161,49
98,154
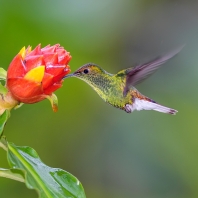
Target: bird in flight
118,89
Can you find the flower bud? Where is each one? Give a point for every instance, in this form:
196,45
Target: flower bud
34,75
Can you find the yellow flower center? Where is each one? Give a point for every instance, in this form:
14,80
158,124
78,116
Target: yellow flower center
36,74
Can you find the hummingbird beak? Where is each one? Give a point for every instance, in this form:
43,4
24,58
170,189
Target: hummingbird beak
69,75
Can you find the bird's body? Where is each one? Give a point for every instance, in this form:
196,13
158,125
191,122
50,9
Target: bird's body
118,90
110,87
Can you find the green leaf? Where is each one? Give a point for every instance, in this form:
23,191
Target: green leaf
49,182
3,119
3,74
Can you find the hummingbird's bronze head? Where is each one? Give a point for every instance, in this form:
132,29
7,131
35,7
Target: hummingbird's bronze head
87,72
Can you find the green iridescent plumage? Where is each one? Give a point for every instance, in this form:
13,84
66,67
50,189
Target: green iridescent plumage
108,86
118,90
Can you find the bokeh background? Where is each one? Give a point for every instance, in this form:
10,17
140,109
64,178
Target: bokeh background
115,155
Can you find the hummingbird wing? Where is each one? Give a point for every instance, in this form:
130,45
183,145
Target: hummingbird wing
140,72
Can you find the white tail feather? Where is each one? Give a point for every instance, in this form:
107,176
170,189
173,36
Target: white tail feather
140,104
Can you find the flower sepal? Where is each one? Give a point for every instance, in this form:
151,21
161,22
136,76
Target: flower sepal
7,102
54,101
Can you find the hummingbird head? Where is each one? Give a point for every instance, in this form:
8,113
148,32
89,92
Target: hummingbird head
88,72
94,76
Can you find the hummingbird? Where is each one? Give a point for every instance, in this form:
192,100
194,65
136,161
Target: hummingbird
118,89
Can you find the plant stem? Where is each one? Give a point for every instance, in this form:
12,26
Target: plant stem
7,174
3,146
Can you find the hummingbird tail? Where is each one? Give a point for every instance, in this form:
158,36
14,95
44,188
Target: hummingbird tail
148,104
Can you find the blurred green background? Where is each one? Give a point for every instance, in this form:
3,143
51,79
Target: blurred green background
115,155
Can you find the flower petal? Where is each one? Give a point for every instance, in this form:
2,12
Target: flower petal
16,67
55,70
22,52
36,51
30,89
48,49
28,50
64,60
33,61
51,58
59,77
46,46
47,80
52,88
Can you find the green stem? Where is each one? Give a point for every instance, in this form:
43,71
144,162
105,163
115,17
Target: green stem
4,173
3,146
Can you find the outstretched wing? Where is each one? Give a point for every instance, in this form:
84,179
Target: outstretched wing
137,74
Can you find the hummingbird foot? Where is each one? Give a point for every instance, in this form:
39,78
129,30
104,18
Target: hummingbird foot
142,104
129,108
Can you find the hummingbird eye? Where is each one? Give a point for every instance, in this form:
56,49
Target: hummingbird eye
86,71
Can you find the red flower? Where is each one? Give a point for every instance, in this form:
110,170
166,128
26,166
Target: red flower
34,75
